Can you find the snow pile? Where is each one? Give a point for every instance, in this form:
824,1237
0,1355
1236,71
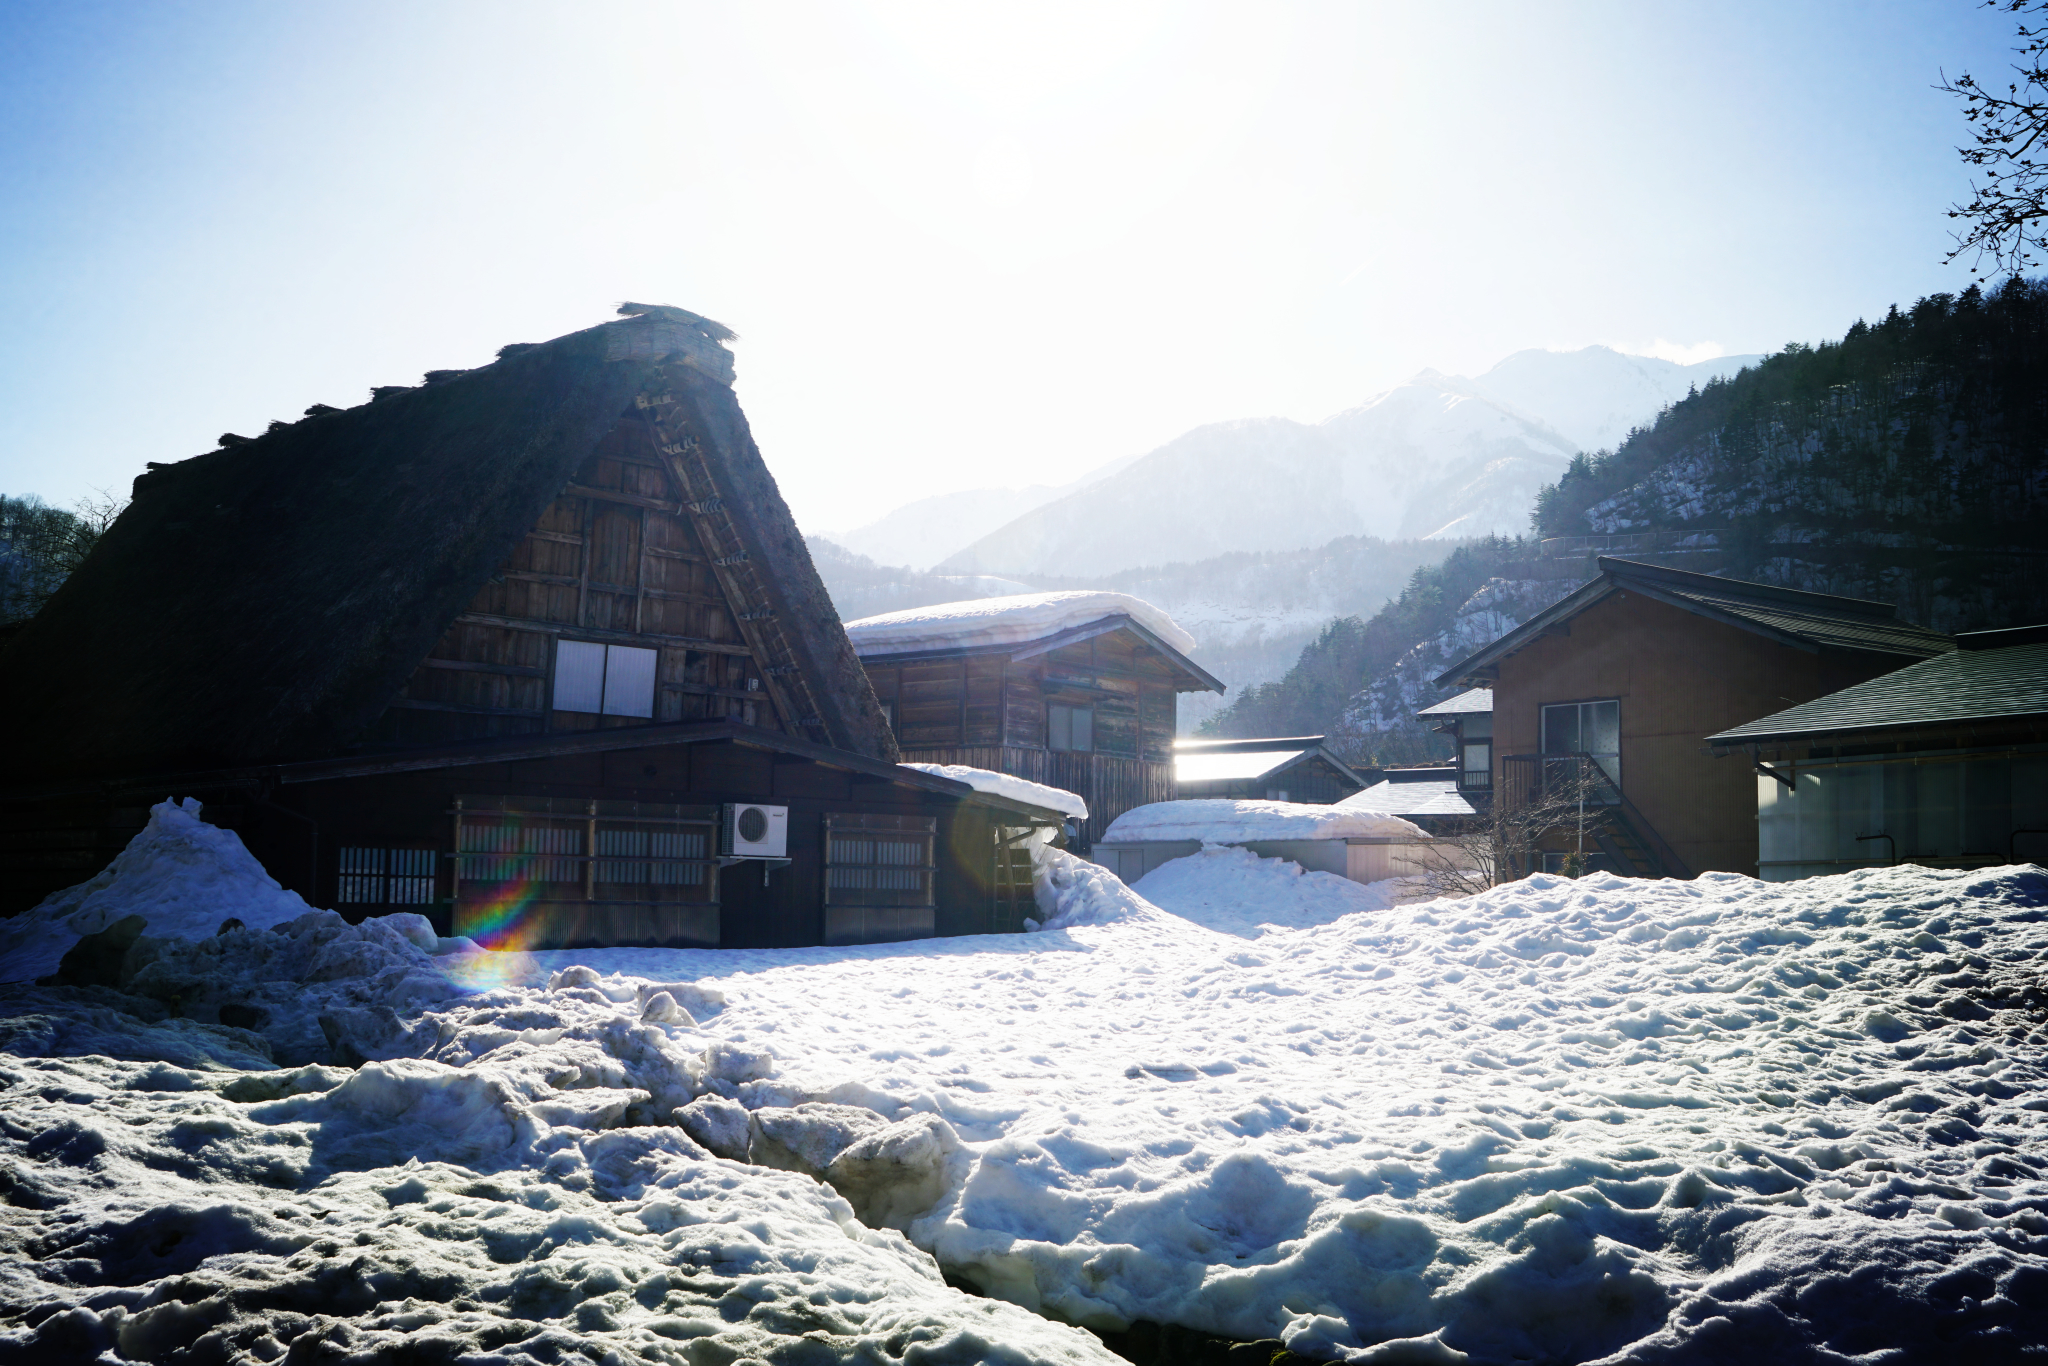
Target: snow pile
1230,820
1006,621
1558,1121
180,874
1072,891
1236,892
1011,786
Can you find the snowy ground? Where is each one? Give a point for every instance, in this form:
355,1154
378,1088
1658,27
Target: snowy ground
1563,1121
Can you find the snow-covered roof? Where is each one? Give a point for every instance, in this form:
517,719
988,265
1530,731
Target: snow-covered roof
1009,785
1220,820
1464,704
1197,767
1437,797
1005,621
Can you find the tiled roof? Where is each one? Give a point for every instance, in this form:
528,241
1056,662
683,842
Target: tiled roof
1438,797
1470,702
1964,685
1811,621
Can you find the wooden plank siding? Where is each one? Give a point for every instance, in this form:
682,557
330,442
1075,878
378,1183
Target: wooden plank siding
989,711
614,558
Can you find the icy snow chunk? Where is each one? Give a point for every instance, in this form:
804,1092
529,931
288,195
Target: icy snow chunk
661,1008
737,1062
894,1174
1006,621
1011,786
805,1138
724,1127
181,875
1230,820
1071,891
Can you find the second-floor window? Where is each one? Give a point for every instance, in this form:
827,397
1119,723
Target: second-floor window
1070,728
1591,728
614,680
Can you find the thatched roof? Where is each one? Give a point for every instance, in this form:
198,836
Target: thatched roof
264,602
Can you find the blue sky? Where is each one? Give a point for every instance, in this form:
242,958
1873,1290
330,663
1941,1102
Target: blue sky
963,244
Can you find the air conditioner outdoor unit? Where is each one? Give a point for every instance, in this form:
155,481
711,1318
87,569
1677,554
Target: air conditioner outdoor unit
751,830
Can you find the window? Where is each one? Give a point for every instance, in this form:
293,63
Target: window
386,877
1477,769
1276,794
878,877
1590,728
1070,729
889,714
615,680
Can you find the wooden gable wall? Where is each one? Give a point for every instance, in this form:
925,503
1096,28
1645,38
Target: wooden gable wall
617,559
989,711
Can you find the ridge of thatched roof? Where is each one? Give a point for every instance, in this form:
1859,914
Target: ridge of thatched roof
264,602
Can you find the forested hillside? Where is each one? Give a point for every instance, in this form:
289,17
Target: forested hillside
1907,462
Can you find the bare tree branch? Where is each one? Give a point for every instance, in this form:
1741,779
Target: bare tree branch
2005,223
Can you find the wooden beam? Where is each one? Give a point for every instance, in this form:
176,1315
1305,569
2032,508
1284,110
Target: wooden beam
556,628
476,666
415,704
638,500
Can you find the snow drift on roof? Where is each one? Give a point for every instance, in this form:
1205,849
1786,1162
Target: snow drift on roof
1011,786
1005,621
1233,821
1467,703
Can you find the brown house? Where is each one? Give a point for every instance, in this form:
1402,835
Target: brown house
1624,680
1076,690
534,648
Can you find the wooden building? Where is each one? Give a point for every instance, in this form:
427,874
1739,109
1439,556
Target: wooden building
1075,690
1625,678
1468,720
1431,796
1943,763
520,647
1298,768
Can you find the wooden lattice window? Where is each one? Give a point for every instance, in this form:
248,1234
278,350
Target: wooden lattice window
879,860
385,877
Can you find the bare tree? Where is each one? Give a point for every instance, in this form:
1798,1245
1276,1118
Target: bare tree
2004,220
40,546
1568,799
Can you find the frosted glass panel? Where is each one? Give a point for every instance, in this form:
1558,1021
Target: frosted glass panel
629,682
579,676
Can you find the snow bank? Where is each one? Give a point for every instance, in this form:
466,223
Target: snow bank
180,874
1011,786
1557,1121
1237,892
1224,820
1006,621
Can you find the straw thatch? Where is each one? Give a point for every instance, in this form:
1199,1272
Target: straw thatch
266,601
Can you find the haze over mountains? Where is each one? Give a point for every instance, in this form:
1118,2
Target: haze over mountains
1439,457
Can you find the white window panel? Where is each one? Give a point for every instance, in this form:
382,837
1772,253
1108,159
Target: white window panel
579,676
629,681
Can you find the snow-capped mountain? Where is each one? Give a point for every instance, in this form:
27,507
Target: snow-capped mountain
1595,395
1440,456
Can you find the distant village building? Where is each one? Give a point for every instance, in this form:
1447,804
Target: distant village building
1078,690
1430,796
534,649
1364,846
1468,720
1622,681
1298,768
1942,763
